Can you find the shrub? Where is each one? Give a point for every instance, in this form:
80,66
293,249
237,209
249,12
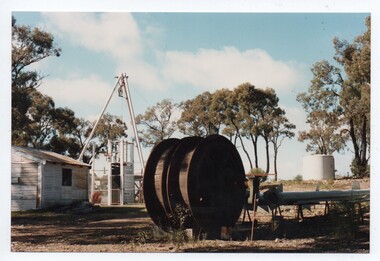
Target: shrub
346,220
359,171
259,171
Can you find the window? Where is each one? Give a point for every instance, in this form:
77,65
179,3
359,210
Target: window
67,177
15,180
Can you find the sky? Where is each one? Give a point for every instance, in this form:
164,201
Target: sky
180,55
179,49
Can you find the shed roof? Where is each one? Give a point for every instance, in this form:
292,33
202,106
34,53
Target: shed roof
43,155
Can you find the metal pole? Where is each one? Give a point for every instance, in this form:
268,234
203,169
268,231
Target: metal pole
93,172
97,122
122,180
109,184
254,216
132,115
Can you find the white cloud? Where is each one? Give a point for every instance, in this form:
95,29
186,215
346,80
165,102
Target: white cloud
143,74
113,33
297,116
229,67
116,34
119,35
87,91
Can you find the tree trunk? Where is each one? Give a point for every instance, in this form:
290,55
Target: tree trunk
275,165
254,142
360,152
235,140
363,149
354,141
275,162
267,154
242,144
245,151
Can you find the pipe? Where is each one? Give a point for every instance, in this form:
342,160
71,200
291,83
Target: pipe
276,198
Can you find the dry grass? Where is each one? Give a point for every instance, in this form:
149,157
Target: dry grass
129,229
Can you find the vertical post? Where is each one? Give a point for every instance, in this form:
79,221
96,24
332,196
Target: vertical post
131,153
92,172
126,152
109,183
122,185
254,215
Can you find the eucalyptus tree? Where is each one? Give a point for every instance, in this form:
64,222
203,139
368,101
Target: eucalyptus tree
158,122
40,114
29,46
281,129
268,110
225,105
249,117
255,113
338,101
197,117
48,127
355,95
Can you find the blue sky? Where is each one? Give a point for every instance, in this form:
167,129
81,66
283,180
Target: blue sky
180,49
180,55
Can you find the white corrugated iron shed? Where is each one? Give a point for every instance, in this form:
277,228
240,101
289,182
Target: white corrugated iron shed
42,179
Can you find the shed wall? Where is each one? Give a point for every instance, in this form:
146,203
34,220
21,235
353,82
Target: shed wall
53,193
24,187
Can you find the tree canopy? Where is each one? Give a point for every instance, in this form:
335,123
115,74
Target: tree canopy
245,112
157,122
338,102
36,121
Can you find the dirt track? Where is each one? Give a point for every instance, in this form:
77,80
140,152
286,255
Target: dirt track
129,229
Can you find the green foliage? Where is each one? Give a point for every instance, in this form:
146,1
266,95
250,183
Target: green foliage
281,129
359,171
28,47
245,112
179,217
198,118
324,113
36,121
142,237
338,101
158,123
346,220
298,178
256,171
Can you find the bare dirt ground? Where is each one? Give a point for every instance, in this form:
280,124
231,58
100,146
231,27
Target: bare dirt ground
129,229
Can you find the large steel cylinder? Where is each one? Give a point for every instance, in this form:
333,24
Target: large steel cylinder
203,176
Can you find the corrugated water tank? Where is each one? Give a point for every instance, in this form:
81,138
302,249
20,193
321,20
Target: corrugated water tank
318,167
